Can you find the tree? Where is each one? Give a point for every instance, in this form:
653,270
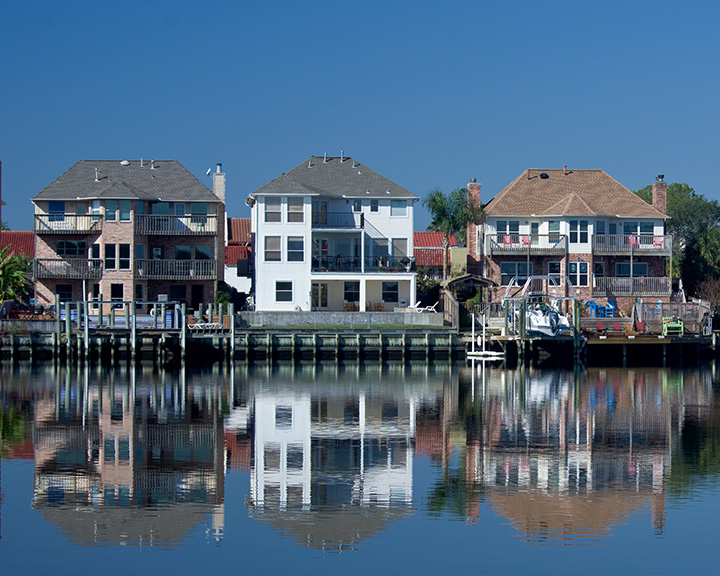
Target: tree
450,215
13,282
693,226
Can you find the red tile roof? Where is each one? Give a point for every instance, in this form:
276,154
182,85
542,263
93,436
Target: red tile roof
431,240
428,256
235,253
239,231
22,243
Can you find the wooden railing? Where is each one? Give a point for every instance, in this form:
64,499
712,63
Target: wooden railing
176,269
189,225
637,286
522,244
68,268
68,224
645,244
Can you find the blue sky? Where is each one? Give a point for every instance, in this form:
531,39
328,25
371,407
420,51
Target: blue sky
429,94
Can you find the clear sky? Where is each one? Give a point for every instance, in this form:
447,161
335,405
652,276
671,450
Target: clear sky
428,94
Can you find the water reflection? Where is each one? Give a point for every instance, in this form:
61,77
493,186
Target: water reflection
331,453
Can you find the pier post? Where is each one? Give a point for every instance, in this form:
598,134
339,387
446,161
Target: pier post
68,330
231,314
86,317
58,325
183,330
133,330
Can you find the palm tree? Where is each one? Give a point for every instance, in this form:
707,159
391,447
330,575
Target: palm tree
450,215
12,275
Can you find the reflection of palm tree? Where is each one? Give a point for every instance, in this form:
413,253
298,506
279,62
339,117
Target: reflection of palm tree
12,429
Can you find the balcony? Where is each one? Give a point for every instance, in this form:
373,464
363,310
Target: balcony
192,225
68,224
344,264
524,244
68,268
175,269
624,244
636,286
338,221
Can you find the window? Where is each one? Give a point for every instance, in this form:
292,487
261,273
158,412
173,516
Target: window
380,247
124,253
599,269
81,208
578,273
124,210
600,227
183,253
116,292
554,231
71,248
178,292
510,270
507,228
160,208
140,251
357,205
95,210
554,271
110,255
351,292
139,295
157,253
273,209
95,295
578,231
283,291
612,228
56,209
399,247
139,207
203,252
374,206
647,228
199,212
535,232
95,251
295,249
110,210
398,208
272,249
64,291
390,292
638,269
295,210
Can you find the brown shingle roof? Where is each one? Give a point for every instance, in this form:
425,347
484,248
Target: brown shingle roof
22,243
239,231
577,193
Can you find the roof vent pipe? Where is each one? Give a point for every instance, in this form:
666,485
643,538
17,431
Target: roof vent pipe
218,168
354,164
97,175
142,163
342,156
325,157
152,164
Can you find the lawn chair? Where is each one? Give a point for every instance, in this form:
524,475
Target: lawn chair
430,308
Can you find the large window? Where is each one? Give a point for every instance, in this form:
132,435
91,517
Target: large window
64,291
554,231
578,231
283,291
390,292
71,248
124,210
272,249
554,271
295,249
374,206
273,209
110,256
183,253
295,209
110,210
398,208
56,208
124,256
638,269
510,270
357,205
351,292
203,252
578,273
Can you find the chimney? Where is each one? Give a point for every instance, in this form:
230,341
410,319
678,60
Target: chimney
659,193
473,253
564,169
219,183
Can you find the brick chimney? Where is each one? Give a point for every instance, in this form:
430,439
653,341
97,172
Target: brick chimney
473,255
659,193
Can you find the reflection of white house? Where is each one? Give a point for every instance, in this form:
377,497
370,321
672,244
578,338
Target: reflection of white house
346,451
331,234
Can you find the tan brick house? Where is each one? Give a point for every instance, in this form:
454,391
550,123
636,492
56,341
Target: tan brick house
123,230
581,225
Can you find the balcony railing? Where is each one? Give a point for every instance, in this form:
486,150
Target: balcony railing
354,264
645,244
341,220
68,268
175,269
522,244
68,224
636,286
190,225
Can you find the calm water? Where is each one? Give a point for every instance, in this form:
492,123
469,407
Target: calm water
403,470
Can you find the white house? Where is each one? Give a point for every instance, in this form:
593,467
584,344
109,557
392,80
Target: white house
333,235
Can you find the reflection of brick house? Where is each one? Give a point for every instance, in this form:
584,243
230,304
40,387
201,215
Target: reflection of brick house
124,230
577,224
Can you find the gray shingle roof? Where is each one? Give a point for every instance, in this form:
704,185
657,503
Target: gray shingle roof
333,177
168,181
575,193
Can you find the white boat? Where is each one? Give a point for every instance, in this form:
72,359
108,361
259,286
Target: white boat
543,319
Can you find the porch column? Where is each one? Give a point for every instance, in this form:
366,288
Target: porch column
362,251
363,295
413,290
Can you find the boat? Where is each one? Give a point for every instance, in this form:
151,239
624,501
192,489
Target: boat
542,319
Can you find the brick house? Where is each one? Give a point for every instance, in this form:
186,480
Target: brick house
123,230
580,225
